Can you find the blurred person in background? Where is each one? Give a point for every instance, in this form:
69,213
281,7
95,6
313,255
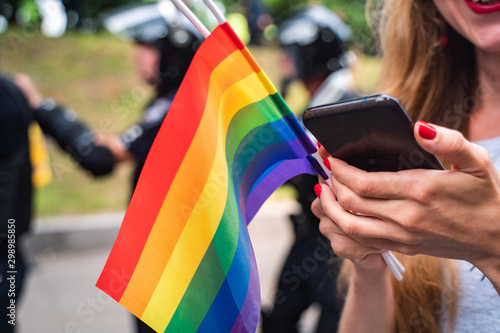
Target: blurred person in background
19,176
165,45
15,197
314,40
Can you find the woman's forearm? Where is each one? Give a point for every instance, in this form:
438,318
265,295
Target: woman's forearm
369,305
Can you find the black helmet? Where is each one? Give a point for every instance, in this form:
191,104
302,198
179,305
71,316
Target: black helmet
315,38
160,24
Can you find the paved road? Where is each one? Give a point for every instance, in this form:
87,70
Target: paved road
67,256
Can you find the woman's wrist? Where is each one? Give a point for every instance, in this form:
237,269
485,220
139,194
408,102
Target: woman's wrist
488,262
371,294
491,269
372,265
367,275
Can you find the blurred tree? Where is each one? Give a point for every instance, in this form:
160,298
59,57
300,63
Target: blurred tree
92,8
23,11
353,12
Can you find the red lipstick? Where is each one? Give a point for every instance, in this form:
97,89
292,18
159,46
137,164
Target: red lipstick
481,8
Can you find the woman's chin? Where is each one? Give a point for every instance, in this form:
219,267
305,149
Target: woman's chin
489,43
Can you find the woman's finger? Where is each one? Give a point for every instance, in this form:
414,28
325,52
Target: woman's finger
357,226
452,146
380,185
322,151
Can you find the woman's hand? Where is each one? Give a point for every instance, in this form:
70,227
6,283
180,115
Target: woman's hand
365,258
452,214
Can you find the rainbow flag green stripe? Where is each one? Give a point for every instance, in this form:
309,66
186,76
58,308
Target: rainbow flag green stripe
183,261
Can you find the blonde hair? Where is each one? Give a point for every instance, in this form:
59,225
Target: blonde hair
437,86
435,83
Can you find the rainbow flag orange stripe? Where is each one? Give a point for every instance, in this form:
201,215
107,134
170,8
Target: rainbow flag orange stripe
183,261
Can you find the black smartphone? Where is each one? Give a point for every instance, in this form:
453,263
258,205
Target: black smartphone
372,133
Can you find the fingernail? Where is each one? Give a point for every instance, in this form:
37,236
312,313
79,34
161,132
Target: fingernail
326,162
319,144
318,189
426,131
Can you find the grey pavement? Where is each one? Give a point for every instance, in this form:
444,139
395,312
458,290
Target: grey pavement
67,254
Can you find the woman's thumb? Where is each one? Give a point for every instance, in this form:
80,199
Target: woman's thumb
452,146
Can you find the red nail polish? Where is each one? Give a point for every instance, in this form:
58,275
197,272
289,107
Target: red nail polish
318,189
319,144
426,131
326,162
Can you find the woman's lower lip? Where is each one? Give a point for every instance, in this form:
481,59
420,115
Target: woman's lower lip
482,8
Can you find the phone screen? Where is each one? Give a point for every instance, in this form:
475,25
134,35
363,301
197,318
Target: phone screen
372,133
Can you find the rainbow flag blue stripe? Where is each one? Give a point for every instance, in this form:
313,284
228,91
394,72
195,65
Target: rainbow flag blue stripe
183,260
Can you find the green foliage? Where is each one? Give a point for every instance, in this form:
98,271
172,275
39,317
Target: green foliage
278,7
28,12
95,7
352,11
91,8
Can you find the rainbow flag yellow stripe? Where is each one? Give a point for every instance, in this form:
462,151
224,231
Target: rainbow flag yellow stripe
183,261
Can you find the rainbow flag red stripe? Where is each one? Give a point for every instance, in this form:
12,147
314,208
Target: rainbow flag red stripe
183,261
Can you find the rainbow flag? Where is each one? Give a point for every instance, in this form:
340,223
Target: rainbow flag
183,261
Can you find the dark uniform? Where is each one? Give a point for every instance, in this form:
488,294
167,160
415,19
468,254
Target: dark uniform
314,40
176,39
15,197
139,138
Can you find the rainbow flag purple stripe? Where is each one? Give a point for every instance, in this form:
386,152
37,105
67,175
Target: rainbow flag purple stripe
183,260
